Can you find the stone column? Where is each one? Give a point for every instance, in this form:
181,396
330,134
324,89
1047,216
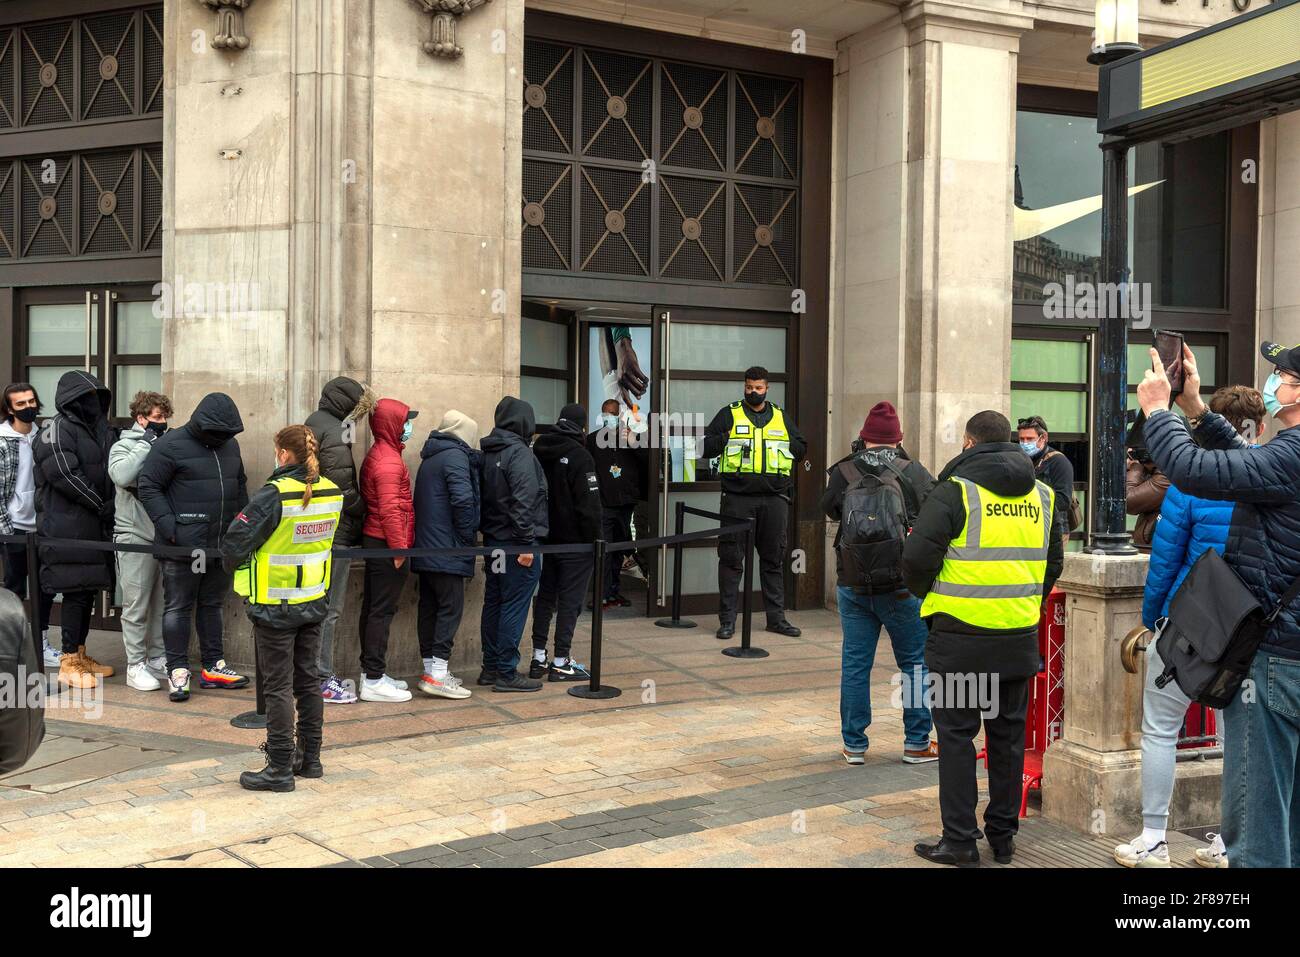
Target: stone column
1092,774
365,195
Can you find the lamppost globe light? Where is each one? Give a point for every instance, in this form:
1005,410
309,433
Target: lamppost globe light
1115,31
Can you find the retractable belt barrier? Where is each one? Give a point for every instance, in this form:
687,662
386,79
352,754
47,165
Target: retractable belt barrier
598,550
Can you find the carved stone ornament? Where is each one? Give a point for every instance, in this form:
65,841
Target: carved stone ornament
445,14
229,33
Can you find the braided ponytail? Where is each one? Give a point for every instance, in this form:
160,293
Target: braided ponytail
301,442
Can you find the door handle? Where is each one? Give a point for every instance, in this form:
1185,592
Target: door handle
665,453
90,319
110,317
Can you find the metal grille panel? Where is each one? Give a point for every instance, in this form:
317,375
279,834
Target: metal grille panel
548,214
8,59
8,211
48,73
615,234
617,106
548,97
47,207
108,66
693,117
152,61
765,235
107,207
693,229
767,126
151,190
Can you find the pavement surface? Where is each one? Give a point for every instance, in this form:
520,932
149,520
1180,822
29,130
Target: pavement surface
703,761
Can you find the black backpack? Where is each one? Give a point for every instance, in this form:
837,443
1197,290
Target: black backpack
1215,627
875,518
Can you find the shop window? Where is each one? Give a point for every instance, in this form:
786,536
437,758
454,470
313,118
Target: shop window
545,373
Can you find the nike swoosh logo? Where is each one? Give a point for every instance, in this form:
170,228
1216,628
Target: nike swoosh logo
1028,223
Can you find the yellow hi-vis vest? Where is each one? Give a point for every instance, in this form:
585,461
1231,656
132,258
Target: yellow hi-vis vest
752,450
992,575
293,565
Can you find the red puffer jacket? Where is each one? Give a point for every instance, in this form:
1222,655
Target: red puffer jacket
385,479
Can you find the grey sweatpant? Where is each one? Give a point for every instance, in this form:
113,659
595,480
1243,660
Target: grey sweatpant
142,606
335,597
1163,712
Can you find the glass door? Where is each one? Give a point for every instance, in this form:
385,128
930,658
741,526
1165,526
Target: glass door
112,332
701,356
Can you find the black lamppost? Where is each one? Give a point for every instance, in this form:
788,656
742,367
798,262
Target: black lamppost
1115,37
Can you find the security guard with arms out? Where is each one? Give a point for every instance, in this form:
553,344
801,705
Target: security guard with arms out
757,447
983,557
281,542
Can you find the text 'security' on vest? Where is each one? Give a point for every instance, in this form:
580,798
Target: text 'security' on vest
293,565
992,575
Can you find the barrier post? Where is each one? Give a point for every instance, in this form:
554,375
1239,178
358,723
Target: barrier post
593,688
34,597
746,613
677,621
254,720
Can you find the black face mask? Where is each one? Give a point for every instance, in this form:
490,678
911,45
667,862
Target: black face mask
26,415
755,398
157,428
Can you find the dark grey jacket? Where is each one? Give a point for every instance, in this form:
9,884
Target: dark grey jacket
21,728
514,507
343,403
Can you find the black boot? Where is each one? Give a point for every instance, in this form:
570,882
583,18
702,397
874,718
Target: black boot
947,853
306,761
1004,849
276,776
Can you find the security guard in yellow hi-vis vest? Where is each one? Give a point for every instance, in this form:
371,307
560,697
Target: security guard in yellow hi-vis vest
757,447
281,542
983,557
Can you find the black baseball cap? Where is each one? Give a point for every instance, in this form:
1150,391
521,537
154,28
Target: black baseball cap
1284,357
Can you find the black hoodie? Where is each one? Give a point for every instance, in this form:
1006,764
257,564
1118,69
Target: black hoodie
574,510
193,483
74,495
343,400
514,507
954,646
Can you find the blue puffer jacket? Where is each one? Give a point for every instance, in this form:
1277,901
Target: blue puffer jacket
447,503
1263,545
1188,527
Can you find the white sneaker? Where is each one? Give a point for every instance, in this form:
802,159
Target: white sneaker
51,654
448,686
1137,854
158,667
1216,855
397,683
381,690
139,677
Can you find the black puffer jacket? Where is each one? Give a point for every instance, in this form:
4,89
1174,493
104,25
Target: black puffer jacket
955,647
74,496
573,510
343,403
514,485
193,483
1263,544
21,728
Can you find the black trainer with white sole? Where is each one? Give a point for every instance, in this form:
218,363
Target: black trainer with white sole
570,671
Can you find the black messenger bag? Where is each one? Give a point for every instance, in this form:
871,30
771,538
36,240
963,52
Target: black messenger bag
1214,628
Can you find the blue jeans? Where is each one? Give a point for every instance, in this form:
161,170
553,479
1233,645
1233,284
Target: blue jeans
861,617
505,609
1261,794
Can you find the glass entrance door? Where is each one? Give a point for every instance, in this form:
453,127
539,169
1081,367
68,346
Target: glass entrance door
701,356
111,332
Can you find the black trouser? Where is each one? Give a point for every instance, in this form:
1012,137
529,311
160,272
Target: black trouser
768,513
16,581
74,613
442,602
383,587
615,526
192,599
562,589
286,673
1004,737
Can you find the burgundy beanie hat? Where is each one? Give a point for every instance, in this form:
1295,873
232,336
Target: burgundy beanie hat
881,427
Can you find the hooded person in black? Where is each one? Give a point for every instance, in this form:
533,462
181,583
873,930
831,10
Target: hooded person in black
22,720
193,485
514,512
343,403
574,516
994,663
74,499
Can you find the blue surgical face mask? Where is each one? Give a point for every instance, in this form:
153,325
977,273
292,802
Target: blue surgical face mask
407,429
1029,448
610,421
1272,405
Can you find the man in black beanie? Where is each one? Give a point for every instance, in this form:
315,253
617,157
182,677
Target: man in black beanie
573,503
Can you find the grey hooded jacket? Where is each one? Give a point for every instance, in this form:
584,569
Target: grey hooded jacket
125,460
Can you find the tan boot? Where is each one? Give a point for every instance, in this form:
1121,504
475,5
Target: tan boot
104,671
75,673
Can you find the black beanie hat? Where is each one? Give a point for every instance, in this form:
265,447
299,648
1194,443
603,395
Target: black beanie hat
574,413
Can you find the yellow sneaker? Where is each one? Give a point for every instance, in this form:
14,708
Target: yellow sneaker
104,671
75,673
